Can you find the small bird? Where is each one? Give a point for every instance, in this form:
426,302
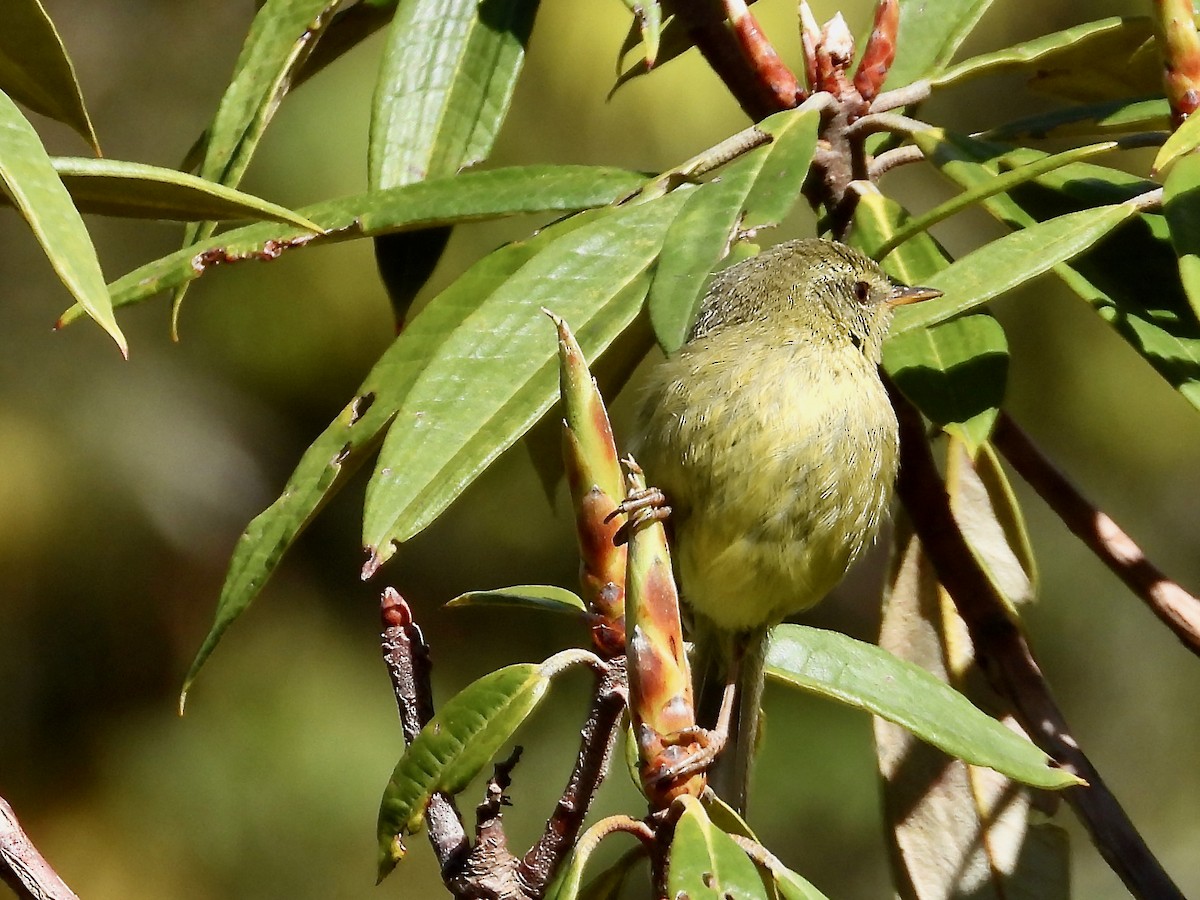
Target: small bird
774,441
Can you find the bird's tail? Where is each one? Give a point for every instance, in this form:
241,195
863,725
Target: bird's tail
720,657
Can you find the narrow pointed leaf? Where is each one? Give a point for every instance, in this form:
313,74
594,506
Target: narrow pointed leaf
867,677
706,864
29,179
1098,55
1181,206
567,884
529,596
350,438
756,191
1183,140
453,748
1011,261
496,374
113,187
473,196
930,32
36,70
1109,117
954,372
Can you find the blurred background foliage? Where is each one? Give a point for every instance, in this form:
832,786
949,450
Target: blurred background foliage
123,487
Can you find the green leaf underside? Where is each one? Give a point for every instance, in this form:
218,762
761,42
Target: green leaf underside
1181,206
706,864
954,372
29,179
447,77
462,738
357,430
866,677
473,196
529,596
1122,277
1009,262
756,191
1098,51
444,435
36,70
1108,117
113,187
930,32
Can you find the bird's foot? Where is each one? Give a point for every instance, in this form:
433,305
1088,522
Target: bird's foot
642,507
695,750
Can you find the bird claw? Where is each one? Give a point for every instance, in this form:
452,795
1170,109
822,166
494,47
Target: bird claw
642,507
704,746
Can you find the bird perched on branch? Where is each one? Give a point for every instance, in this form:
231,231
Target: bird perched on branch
772,437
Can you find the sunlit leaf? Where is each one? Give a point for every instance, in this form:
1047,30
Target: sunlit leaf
463,737
930,33
1181,206
36,70
355,433
706,864
756,191
596,278
113,187
29,179
866,677
528,596
473,196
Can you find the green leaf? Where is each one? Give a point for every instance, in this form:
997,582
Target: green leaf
446,81
866,677
704,862
29,179
1181,206
535,596
930,32
756,191
473,196
350,438
113,187
1183,140
567,883
457,743
1092,61
1011,261
954,372
1109,117
36,70
596,278
279,42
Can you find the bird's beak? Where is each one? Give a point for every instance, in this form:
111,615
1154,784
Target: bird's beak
902,296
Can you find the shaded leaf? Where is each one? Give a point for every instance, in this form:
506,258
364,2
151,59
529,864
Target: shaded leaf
567,883
29,179
457,743
704,862
954,372
595,277
473,196
1181,206
36,70
354,434
113,187
1094,61
954,829
529,596
756,191
930,32
1110,117
867,677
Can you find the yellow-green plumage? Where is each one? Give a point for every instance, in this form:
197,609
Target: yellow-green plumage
775,443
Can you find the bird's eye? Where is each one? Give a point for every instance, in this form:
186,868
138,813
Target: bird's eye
862,291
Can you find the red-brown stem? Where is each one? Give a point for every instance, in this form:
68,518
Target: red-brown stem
22,866
762,58
1006,659
1175,607
1179,44
880,51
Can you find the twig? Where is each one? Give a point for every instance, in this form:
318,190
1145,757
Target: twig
1008,663
407,659
892,159
1175,607
596,743
901,97
22,867
884,121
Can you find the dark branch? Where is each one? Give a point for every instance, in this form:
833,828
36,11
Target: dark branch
1175,607
1007,661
